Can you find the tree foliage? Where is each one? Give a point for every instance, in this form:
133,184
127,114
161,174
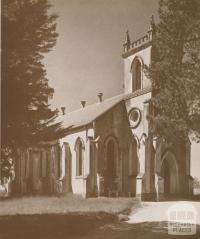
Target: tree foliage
28,32
175,69
196,183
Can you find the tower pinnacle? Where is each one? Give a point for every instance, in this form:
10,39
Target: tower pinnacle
127,42
152,23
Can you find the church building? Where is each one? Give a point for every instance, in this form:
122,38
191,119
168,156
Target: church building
109,149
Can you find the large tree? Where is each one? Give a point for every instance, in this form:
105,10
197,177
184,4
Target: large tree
175,69
28,32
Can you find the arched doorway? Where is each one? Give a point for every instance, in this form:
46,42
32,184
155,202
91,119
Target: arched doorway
169,173
167,177
111,174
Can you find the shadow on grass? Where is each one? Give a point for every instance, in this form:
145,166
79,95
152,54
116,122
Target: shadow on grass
145,230
94,226
51,226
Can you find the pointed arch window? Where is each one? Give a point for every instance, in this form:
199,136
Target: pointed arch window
136,75
79,148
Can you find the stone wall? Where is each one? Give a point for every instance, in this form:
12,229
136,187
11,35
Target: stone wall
114,125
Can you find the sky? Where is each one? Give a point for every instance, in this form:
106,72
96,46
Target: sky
87,57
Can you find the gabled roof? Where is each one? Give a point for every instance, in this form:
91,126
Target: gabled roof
85,116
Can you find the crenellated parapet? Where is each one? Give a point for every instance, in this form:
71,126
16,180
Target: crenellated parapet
129,47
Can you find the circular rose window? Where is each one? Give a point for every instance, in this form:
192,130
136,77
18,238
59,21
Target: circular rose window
134,117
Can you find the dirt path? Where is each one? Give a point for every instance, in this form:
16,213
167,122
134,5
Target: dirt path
148,230
157,211
147,222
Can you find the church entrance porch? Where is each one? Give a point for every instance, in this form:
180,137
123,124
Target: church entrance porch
168,181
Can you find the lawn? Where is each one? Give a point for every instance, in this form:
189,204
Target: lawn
65,204
73,217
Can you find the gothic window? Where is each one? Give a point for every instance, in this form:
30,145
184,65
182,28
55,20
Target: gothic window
112,173
136,75
79,148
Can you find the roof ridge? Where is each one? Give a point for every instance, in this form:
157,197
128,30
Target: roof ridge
97,103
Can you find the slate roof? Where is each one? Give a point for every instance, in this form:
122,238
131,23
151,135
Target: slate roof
85,116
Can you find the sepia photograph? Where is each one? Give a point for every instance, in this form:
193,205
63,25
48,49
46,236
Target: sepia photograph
100,119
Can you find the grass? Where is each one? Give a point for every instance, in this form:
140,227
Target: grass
64,205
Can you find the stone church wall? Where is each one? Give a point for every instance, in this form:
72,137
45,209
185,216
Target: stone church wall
78,183
114,125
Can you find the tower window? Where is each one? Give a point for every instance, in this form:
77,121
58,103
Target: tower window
136,75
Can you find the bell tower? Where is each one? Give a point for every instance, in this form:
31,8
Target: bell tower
137,90
136,55
161,167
